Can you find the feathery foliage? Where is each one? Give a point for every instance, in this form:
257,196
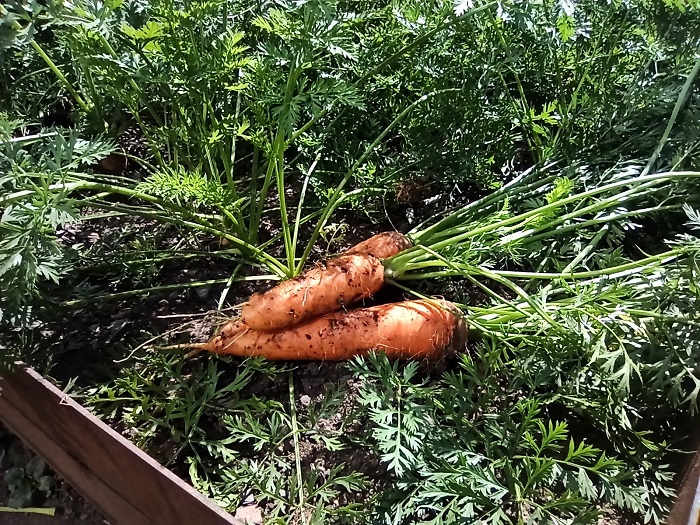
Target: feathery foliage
543,154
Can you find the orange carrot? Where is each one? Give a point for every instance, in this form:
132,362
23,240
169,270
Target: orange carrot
233,328
406,330
382,245
340,282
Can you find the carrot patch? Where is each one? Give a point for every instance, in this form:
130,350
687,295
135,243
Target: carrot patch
382,245
405,330
340,282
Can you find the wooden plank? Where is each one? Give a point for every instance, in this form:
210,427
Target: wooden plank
123,482
686,507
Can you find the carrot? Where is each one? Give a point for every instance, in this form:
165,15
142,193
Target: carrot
340,282
405,330
382,245
233,328
355,275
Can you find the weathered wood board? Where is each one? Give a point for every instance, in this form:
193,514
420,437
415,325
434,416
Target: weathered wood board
123,482
686,508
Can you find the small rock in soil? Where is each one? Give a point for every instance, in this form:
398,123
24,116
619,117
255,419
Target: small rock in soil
249,514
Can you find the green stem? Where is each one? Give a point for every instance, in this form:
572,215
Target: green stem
229,171
168,256
272,264
460,269
164,288
279,147
337,192
260,201
657,315
641,182
195,221
108,47
297,453
524,184
254,218
603,220
682,97
302,195
61,77
232,278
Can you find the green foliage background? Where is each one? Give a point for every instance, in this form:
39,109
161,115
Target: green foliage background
256,123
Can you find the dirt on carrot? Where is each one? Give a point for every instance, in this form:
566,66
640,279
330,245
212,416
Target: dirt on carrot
339,283
405,330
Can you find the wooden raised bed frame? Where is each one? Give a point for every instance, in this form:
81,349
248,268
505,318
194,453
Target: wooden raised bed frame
123,482
131,488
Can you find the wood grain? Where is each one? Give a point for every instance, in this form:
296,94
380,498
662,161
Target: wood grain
686,507
123,482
